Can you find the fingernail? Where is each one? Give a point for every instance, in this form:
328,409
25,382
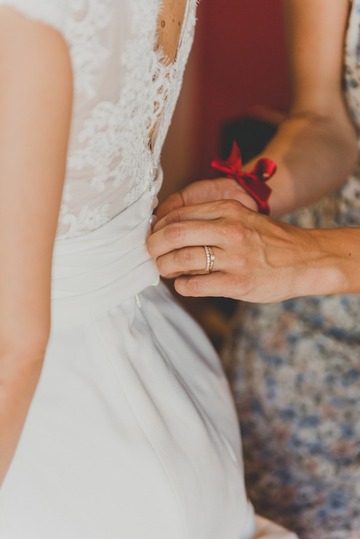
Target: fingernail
153,221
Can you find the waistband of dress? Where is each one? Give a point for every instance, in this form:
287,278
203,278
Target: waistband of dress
103,269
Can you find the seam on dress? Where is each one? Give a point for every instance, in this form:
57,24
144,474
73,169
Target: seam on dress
160,460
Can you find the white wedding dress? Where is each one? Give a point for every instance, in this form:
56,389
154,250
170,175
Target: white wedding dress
132,432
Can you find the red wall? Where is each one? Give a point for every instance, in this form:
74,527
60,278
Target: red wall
241,63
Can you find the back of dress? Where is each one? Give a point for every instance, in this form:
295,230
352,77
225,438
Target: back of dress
125,94
125,90
132,432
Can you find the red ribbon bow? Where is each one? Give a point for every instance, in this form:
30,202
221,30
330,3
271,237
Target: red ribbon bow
254,181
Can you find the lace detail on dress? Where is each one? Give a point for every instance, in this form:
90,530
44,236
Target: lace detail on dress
88,218
89,19
125,95
165,81
131,92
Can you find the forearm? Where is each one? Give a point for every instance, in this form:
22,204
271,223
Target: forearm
332,267
316,146
314,155
19,375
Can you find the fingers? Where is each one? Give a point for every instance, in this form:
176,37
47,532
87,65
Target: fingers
207,211
172,203
200,192
188,261
184,234
204,212
204,191
217,224
216,284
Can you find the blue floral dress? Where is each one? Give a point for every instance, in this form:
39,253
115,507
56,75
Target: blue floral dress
296,376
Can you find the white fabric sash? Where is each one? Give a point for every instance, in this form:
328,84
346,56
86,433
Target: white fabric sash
104,268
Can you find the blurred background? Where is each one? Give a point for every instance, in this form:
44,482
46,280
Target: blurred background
236,87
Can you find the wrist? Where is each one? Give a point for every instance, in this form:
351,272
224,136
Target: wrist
330,266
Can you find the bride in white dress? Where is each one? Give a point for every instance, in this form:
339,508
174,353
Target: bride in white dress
130,432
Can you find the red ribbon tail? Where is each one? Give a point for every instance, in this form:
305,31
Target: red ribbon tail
221,167
252,182
259,191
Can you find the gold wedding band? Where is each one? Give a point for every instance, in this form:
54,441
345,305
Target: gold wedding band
210,259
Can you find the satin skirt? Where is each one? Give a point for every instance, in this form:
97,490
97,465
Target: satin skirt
132,432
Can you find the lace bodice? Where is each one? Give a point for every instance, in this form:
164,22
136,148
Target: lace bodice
125,94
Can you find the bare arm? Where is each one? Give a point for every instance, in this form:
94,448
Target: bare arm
315,148
35,113
258,259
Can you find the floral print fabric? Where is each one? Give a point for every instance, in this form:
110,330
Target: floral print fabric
296,376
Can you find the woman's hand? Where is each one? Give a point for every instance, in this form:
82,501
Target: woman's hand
257,259
205,191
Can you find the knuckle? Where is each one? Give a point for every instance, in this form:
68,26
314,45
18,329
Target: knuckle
245,284
234,231
189,287
174,233
193,286
239,230
184,258
235,206
175,216
230,206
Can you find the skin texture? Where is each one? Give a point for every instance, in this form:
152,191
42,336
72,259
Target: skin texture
169,27
35,116
35,113
259,259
